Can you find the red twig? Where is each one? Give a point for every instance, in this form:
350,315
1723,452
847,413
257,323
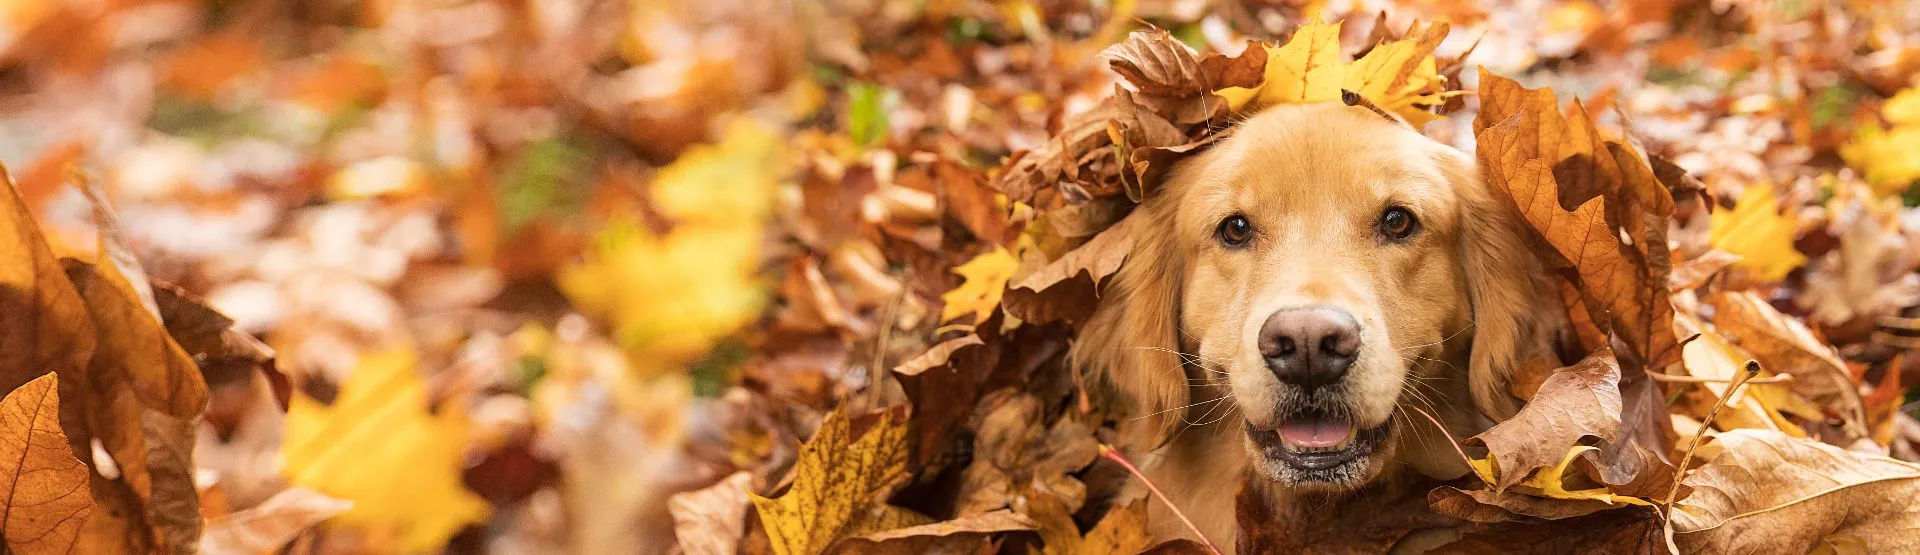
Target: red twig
1114,455
1450,441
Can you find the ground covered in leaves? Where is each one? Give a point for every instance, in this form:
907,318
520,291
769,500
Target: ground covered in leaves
734,276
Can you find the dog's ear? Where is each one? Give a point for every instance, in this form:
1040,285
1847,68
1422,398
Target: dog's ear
1510,323
1133,337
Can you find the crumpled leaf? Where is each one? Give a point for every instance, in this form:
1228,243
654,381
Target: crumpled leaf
937,355
1614,236
1488,506
1016,451
1767,492
381,421
986,280
271,524
43,488
1065,289
1759,234
835,481
711,520
1577,402
1785,345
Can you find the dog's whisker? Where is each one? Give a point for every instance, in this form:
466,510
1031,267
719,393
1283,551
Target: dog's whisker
1184,407
1463,329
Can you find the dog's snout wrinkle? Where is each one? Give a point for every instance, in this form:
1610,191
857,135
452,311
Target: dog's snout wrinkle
1309,347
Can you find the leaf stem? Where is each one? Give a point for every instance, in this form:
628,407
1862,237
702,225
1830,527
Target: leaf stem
1752,369
1109,453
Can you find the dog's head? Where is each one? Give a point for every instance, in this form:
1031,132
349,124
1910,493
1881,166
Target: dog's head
1315,273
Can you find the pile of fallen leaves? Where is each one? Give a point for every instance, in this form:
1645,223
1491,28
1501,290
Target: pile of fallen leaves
725,277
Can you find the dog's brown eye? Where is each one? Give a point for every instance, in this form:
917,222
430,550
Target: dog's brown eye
1235,230
1397,223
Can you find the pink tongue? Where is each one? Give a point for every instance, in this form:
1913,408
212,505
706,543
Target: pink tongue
1315,433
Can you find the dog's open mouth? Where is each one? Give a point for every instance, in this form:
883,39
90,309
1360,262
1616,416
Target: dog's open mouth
1316,443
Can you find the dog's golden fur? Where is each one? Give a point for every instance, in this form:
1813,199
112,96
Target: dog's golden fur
1444,313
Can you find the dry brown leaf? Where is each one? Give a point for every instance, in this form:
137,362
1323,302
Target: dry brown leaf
1057,292
225,355
937,355
1577,402
1122,530
43,488
1768,492
1157,64
1015,450
1595,202
1371,523
710,521
271,524
1785,345
1480,505
835,482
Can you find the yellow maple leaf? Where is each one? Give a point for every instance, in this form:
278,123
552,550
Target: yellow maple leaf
1885,155
835,482
379,446
979,295
1757,231
1308,68
670,297
1400,76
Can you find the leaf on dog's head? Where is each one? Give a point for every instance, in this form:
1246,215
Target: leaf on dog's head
1065,289
986,280
835,483
1401,76
1157,64
1595,202
1575,403
1767,492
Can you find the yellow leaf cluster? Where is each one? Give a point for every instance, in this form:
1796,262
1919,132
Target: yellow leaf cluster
379,446
1400,76
1757,231
1886,155
669,296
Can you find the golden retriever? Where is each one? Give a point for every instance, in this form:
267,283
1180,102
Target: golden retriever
1292,292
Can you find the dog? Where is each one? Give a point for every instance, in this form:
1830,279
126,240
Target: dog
1293,293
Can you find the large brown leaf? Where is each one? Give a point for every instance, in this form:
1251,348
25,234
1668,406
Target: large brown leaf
1768,492
1595,202
274,522
43,488
1575,403
47,328
835,483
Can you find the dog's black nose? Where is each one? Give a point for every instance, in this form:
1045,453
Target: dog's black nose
1311,346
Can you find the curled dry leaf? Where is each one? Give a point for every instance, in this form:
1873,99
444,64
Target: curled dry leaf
710,521
1785,345
43,488
271,524
835,482
1768,492
1486,506
1575,403
224,354
937,355
1066,288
